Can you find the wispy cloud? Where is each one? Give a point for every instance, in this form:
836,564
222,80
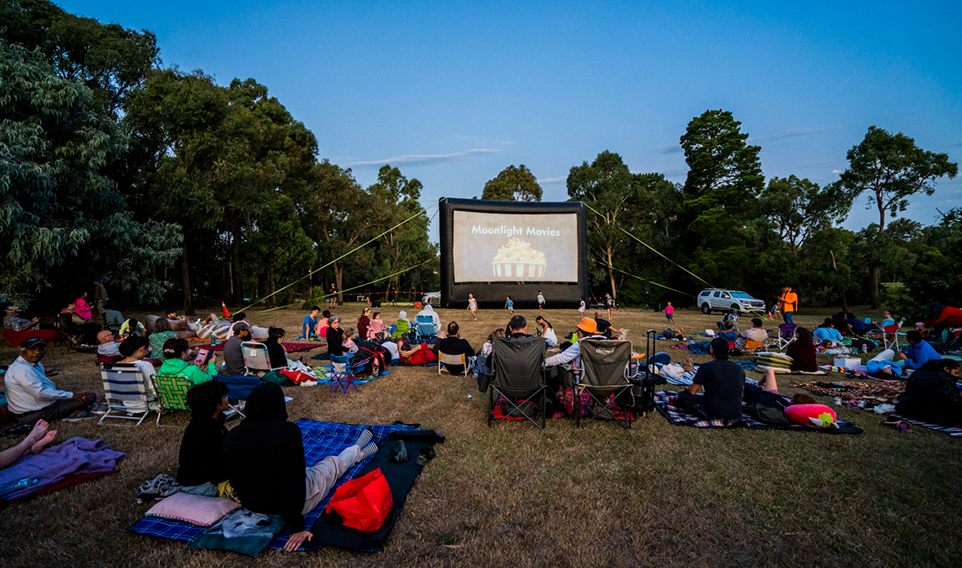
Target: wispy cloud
788,133
673,149
428,158
552,180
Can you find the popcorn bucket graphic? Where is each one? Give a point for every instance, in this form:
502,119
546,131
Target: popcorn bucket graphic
520,270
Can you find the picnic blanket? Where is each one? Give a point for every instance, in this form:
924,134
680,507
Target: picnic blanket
322,373
76,456
321,439
679,418
290,347
954,431
855,390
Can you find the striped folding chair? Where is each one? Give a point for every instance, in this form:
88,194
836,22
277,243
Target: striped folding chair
128,394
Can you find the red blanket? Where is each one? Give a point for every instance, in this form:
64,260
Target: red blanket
290,347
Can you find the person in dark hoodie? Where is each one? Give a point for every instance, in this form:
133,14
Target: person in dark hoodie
264,459
931,394
201,463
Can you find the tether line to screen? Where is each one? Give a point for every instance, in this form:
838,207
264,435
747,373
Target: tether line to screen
350,252
593,210
646,280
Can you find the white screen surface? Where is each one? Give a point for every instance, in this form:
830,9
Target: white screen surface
498,247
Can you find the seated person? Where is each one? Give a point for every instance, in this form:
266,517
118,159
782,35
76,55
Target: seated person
802,351
13,320
113,320
919,351
729,334
159,337
402,326
517,327
559,367
827,332
178,362
753,337
415,354
350,334
857,326
201,450
731,316
723,382
335,337
132,327
35,442
882,366
233,350
31,396
82,308
546,330
82,330
134,349
264,460
943,317
363,323
887,319
428,312
931,394
109,345
375,328
451,344
604,326
321,329
486,348
275,351
309,325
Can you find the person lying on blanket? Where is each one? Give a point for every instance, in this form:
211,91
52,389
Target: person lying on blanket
264,460
38,439
415,354
31,396
931,394
201,450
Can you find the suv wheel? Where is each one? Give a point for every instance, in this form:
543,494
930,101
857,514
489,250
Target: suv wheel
705,309
736,308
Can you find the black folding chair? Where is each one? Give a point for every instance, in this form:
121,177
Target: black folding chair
517,366
605,368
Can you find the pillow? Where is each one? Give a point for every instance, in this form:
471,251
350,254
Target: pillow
817,415
779,362
178,325
240,531
193,509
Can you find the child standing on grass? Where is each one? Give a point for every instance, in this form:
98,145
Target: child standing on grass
581,308
540,302
473,306
509,305
669,313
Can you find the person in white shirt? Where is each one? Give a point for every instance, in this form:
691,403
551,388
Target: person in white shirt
31,396
473,306
540,302
134,349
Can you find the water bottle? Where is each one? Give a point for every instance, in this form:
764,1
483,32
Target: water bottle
864,348
18,485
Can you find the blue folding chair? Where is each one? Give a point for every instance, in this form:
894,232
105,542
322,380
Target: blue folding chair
343,374
425,330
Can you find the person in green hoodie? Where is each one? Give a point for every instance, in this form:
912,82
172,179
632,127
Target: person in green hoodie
177,354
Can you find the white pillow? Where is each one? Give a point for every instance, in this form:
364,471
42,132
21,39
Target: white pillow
193,509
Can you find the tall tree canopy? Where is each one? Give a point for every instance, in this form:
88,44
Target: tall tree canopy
891,168
513,184
799,207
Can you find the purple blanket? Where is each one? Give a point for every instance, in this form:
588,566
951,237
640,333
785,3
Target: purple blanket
54,464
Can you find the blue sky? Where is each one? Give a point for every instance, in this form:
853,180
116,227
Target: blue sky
452,93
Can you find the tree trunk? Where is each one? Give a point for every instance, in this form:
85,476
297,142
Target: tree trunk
339,282
185,272
269,287
235,265
876,301
199,274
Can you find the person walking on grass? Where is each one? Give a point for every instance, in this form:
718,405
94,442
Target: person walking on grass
509,305
540,302
670,313
609,304
473,306
581,308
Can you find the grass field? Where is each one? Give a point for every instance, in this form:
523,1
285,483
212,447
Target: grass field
513,496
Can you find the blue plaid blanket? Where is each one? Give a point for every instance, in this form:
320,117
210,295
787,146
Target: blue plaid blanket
954,431
680,418
321,373
321,439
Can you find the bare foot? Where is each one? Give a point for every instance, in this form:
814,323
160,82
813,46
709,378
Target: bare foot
48,438
38,431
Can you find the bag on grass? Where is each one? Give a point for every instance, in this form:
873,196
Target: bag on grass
768,414
363,503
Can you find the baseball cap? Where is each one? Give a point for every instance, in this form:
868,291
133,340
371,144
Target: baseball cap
588,325
757,322
32,342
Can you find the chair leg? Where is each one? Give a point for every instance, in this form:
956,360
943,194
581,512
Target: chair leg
490,405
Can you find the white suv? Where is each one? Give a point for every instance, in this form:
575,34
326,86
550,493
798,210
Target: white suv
724,300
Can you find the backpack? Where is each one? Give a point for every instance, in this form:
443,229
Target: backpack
768,414
371,356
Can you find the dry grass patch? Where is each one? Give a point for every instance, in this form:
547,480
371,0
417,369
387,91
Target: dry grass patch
514,496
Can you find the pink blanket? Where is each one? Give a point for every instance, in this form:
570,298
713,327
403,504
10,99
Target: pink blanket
56,463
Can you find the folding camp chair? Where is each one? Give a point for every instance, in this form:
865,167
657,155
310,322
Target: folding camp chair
518,375
605,377
454,360
128,394
425,330
256,359
784,337
172,392
343,374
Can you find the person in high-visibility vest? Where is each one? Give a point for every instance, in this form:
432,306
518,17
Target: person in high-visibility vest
789,303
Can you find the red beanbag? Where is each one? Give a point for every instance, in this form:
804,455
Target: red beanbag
817,415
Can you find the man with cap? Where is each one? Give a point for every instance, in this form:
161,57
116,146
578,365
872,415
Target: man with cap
585,328
31,396
233,352
13,320
753,337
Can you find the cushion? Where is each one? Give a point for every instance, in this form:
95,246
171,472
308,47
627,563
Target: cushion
241,531
178,325
817,415
149,323
194,509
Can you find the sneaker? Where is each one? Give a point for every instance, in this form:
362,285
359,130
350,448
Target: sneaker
82,415
99,408
307,383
